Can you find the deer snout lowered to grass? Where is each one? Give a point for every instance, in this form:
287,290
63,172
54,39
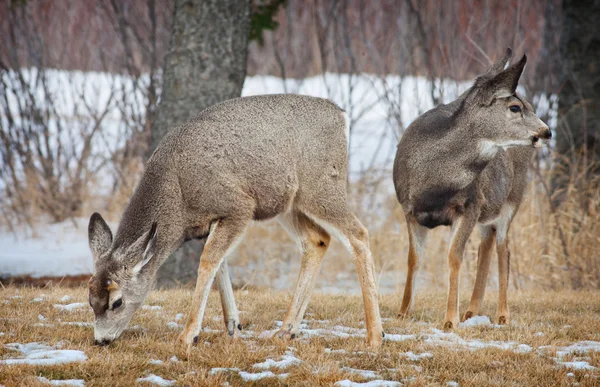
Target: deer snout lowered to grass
252,158
463,165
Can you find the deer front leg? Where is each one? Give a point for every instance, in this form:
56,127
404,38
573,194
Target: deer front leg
462,228
221,241
502,313
484,255
230,311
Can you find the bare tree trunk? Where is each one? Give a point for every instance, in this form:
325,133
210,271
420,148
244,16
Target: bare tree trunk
578,131
205,64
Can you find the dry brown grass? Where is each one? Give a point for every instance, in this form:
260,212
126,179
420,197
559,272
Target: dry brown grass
563,318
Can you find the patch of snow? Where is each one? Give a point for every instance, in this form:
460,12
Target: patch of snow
66,382
571,375
216,370
38,299
398,337
152,307
451,339
45,325
68,254
538,334
286,361
580,347
155,379
42,354
367,374
41,317
476,321
78,323
249,377
178,316
174,325
175,359
372,383
156,362
416,357
279,324
577,365
70,307
65,298
452,383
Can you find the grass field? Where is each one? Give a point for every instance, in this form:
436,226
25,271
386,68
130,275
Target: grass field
553,340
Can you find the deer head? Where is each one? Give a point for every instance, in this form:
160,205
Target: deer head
494,112
123,276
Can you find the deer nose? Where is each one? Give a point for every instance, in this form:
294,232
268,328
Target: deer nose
545,133
102,342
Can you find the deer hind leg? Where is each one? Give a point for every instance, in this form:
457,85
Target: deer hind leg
221,241
417,236
313,242
355,237
488,235
230,311
462,228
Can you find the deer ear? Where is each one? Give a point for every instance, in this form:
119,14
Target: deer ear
99,236
149,248
505,83
496,67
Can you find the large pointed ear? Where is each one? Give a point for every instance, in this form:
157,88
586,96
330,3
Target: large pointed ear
503,84
146,243
99,236
496,67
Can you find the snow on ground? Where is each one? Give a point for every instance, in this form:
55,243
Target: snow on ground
71,307
66,382
476,321
249,377
157,380
372,383
416,357
367,374
286,360
579,348
398,337
577,365
451,339
152,307
42,354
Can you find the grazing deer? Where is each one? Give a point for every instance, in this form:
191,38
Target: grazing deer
465,164
252,158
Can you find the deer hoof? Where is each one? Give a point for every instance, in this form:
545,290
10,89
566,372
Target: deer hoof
448,326
285,334
502,320
374,343
468,315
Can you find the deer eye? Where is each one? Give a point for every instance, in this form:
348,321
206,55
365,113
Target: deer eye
117,304
515,108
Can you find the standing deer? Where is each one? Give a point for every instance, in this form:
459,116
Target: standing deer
252,158
465,164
